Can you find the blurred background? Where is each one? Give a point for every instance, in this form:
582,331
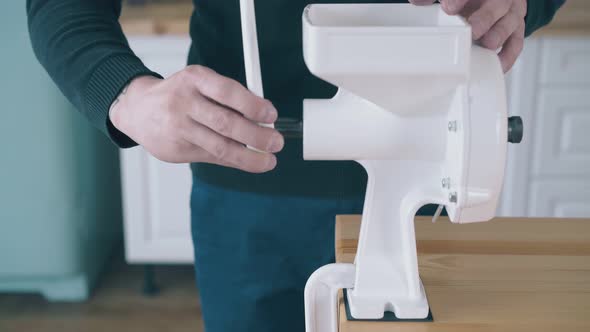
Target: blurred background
94,239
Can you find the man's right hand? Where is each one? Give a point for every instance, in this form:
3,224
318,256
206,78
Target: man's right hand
197,115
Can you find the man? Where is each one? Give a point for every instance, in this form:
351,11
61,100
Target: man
262,221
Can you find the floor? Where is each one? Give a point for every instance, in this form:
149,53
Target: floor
116,305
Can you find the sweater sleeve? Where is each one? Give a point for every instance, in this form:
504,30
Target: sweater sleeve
82,46
540,13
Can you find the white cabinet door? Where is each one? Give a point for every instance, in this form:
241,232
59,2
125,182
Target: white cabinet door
157,194
563,199
564,61
548,175
562,134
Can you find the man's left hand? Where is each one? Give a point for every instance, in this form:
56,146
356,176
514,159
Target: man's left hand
495,24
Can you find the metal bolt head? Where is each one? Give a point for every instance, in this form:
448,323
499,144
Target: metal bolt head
453,126
453,197
446,183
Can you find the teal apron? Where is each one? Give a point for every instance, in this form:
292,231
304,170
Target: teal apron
254,253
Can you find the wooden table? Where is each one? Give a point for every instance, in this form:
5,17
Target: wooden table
172,17
504,275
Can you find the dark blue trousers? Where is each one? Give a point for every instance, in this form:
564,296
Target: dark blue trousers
254,253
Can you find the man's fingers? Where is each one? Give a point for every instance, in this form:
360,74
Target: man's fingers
512,49
453,7
191,153
501,31
195,153
520,7
232,94
233,125
229,151
487,15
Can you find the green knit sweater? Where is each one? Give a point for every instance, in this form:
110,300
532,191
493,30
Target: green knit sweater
82,46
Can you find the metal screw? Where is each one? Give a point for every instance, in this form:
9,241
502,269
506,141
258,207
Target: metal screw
446,183
453,126
453,197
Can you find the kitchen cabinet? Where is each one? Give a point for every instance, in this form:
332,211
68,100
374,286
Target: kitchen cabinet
548,175
156,194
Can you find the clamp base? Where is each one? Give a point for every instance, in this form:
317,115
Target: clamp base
388,316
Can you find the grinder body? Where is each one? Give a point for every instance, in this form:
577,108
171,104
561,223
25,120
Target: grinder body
425,112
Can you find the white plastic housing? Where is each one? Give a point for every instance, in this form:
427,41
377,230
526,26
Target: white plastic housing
417,104
359,47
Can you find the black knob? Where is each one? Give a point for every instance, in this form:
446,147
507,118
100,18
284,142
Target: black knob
515,129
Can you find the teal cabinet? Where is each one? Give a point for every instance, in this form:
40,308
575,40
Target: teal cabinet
60,201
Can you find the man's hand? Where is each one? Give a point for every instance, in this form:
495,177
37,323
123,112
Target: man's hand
494,23
197,115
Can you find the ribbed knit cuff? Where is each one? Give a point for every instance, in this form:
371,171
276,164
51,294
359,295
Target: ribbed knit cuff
105,84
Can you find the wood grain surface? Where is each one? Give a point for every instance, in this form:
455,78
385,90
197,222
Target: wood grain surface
172,17
504,275
572,19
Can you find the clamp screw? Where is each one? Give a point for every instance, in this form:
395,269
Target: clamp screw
453,197
453,126
446,183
